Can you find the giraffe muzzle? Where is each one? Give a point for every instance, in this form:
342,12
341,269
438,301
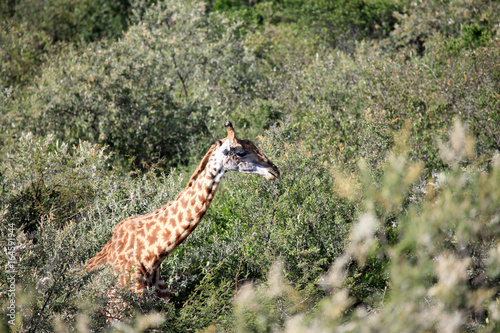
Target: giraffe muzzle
268,172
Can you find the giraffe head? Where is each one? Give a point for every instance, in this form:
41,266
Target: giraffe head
243,156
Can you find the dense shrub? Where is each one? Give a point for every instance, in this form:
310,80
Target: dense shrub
361,100
63,20
33,30
78,203
387,137
443,268
21,52
43,177
430,92
473,22
339,23
145,95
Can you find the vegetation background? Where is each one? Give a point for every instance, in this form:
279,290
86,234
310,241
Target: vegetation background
382,115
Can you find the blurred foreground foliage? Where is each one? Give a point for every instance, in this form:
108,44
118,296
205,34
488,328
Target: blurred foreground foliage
383,117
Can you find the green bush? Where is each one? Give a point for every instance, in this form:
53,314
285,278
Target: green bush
378,222
473,21
64,203
430,92
21,52
145,95
339,23
43,177
350,106
32,31
444,266
64,20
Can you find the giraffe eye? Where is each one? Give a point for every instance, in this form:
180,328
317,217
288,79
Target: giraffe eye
241,153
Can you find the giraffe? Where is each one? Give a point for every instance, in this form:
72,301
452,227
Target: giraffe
140,243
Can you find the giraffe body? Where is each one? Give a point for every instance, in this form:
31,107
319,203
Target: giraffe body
140,243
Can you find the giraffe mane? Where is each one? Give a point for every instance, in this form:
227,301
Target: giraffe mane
203,164
199,169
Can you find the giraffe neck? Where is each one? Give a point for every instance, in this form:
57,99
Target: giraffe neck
185,213
201,188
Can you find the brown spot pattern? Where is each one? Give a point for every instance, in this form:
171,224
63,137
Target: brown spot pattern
166,235
151,239
189,216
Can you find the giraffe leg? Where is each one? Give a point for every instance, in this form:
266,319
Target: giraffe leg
140,281
161,289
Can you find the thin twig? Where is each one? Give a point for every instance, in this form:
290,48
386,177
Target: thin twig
238,274
433,74
179,75
61,274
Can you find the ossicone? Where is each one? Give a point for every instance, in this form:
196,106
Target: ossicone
231,135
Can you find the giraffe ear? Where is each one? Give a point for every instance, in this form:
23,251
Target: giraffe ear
218,144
